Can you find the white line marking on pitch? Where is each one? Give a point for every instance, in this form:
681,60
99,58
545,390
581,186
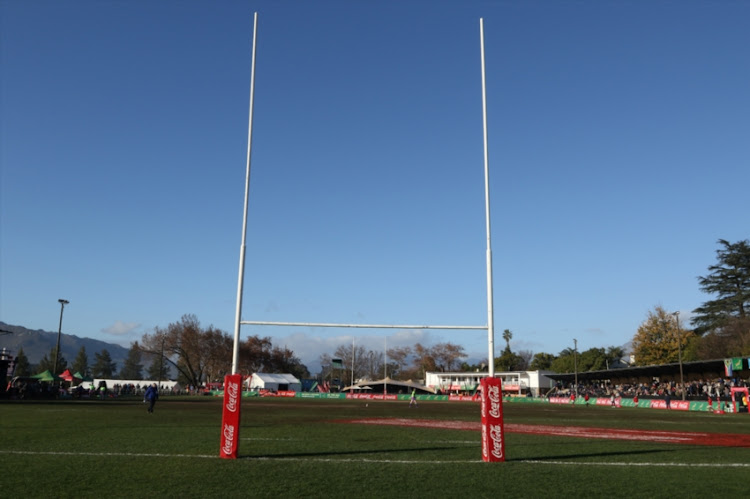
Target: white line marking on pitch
681,465
111,454
378,461
471,442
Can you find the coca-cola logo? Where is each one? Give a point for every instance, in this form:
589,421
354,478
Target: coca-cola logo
485,443
493,392
495,408
496,434
228,439
233,390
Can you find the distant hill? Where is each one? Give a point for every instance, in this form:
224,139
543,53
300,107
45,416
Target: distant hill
37,344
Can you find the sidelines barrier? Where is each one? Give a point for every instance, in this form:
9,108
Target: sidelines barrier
675,405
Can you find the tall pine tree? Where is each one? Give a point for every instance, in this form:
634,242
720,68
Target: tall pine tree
729,281
103,367
132,367
81,364
48,362
22,368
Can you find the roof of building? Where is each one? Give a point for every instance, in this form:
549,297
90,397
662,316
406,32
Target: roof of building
705,369
276,378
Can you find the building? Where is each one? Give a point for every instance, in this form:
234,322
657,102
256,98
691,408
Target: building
274,382
519,383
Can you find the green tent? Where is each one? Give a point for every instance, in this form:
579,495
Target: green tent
82,377
44,376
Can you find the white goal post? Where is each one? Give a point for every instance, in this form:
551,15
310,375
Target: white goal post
490,313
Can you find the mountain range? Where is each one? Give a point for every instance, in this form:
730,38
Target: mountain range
37,344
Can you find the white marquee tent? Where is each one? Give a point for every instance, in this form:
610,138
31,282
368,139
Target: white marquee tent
274,382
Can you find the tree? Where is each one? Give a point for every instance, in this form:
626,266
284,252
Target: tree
614,354
474,368
593,359
48,362
158,370
354,359
447,356
656,341
373,364
424,361
509,361
283,360
255,354
507,336
729,340
729,280
81,364
132,367
565,362
103,366
542,361
218,346
22,368
193,351
398,358
525,357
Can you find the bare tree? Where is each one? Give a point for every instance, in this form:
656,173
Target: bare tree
193,351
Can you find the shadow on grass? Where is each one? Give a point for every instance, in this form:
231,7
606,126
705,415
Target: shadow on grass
593,454
343,453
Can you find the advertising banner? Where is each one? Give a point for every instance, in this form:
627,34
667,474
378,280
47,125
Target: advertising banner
230,418
373,396
464,398
493,441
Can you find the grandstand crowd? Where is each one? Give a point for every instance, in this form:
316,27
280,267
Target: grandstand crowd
716,389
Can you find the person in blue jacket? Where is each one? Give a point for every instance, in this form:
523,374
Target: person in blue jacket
152,393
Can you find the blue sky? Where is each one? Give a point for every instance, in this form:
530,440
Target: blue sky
618,139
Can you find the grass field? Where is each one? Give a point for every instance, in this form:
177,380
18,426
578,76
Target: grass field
310,448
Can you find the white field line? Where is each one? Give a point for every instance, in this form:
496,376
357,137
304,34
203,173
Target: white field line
103,454
678,465
375,461
470,442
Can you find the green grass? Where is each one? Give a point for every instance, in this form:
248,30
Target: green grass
298,448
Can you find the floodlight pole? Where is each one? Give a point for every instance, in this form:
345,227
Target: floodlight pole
59,333
575,363
352,384
679,352
240,279
490,301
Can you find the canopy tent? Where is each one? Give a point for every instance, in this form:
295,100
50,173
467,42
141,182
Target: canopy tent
82,377
44,376
390,386
68,376
274,382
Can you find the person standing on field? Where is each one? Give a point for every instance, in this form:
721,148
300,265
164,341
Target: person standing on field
152,393
413,400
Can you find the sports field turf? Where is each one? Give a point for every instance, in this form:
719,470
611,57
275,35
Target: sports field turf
339,448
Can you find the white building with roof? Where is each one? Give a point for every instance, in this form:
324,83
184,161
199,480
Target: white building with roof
520,383
274,382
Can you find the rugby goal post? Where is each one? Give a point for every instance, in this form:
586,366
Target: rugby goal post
240,281
232,382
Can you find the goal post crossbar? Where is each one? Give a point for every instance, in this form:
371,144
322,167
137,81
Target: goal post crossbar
361,326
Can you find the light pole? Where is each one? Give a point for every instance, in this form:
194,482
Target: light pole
679,352
575,363
59,332
161,361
